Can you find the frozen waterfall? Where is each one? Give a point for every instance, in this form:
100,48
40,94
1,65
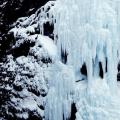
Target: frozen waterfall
86,32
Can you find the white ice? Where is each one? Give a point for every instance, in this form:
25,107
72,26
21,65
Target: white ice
88,32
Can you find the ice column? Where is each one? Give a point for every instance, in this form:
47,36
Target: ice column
60,95
88,32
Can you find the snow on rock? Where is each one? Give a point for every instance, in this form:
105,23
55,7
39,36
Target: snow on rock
85,32
29,86
48,45
40,41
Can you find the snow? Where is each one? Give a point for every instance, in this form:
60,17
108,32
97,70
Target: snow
40,40
48,45
29,77
88,31
28,103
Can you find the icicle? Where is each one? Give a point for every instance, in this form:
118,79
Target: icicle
60,93
88,33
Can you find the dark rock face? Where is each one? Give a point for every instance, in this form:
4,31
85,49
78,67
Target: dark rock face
73,111
10,11
118,75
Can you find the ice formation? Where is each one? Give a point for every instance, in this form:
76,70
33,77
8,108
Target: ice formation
61,91
86,32
87,35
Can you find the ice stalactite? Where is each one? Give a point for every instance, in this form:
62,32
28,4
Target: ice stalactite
60,96
87,31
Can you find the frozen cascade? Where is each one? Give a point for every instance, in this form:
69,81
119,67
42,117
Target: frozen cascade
99,20
61,92
89,35
87,32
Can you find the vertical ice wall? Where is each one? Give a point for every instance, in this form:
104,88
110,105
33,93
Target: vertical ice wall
59,99
87,31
